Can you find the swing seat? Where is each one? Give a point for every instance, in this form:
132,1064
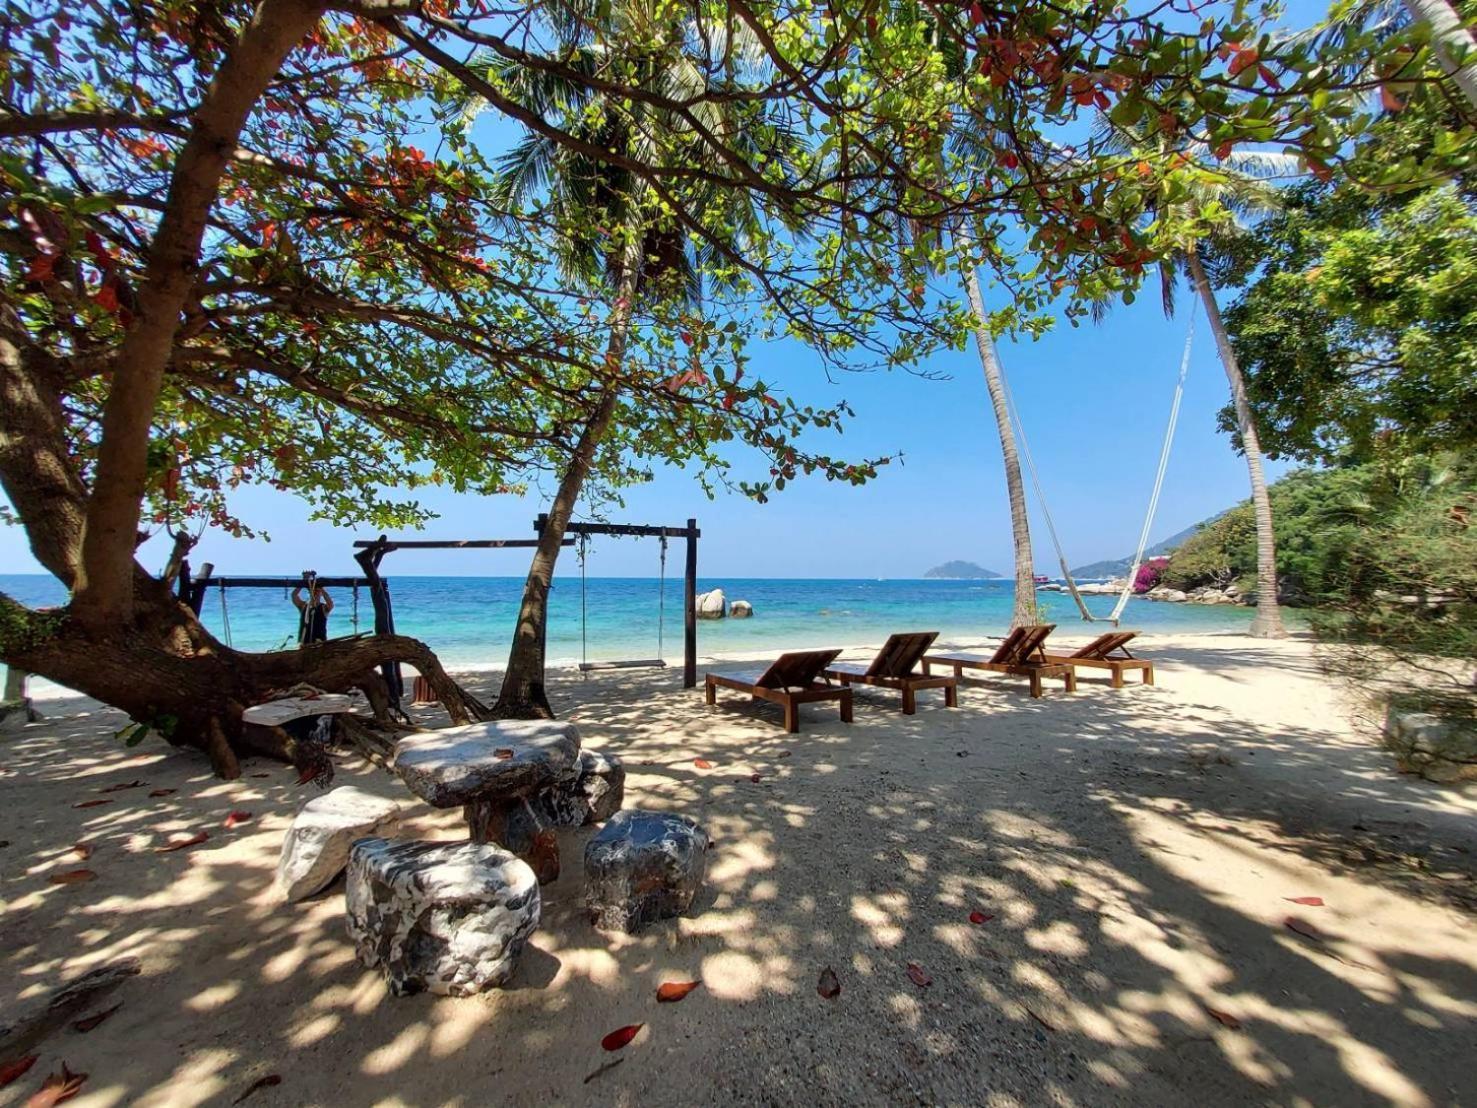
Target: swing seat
625,663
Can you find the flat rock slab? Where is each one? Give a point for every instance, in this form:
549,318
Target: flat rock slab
316,848
642,867
274,713
445,918
498,759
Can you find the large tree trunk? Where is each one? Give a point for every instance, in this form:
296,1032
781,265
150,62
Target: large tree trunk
104,584
1024,611
1455,48
167,671
1268,621
522,695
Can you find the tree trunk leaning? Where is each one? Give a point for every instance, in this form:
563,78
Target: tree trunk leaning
1024,610
1456,51
1267,623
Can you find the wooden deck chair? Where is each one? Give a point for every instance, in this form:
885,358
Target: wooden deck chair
893,669
1110,652
789,681
1021,655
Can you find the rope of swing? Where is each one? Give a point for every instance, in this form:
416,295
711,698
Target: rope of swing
1164,451
661,602
225,616
1174,417
584,632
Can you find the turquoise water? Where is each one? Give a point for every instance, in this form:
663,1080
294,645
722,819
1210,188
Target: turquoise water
469,621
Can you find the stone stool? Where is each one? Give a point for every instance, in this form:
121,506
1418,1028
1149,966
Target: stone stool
641,867
316,848
447,918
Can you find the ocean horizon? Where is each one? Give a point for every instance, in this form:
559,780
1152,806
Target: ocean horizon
468,621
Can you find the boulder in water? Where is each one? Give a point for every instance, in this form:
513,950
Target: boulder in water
711,605
740,609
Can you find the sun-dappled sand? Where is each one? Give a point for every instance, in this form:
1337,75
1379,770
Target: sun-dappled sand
1134,858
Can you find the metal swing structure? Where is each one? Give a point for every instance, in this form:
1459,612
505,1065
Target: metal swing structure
193,590
689,534
1164,451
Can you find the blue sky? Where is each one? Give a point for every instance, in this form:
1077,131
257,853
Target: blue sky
1094,399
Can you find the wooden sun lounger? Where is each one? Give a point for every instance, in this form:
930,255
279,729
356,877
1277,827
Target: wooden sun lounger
1099,654
1020,655
893,669
789,681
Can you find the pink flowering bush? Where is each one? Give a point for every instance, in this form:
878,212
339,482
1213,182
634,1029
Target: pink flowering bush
1149,574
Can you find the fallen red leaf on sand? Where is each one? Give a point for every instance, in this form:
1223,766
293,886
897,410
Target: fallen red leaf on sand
91,803
260,1083
917,975
980,917
262,775
72,877
88,1023
1042,1020
1302,927
702,763
16,1069
123,785
56,1088
621,1036
1307,901
756,777
503,753
83,851
828,986
179,844
238,817
669,992
1224,1018
163,792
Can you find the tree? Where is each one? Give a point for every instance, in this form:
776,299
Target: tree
228,260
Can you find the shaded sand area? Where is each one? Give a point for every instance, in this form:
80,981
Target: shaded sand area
1136,851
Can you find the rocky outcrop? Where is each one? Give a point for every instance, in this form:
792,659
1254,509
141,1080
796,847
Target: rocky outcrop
445,918
316,848
740,609
1438,749
642,867
711,605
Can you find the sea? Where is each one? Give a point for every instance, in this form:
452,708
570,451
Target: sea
469,621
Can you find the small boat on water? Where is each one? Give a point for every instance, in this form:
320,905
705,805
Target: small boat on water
1041,579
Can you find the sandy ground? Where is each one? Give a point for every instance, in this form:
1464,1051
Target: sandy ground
1136,849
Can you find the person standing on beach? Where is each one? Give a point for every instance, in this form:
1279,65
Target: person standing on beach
312,613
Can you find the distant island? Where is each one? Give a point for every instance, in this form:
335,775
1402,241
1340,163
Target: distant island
960,571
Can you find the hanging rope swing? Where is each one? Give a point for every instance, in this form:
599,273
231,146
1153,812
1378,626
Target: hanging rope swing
659,662
1164,451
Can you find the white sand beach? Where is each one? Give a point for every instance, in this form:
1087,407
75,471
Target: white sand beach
1138,852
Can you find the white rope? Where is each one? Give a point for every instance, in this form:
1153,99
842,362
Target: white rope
1174,417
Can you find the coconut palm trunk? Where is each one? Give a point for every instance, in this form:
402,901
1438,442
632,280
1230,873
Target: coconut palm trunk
523,695
1268,621
1451,40
1024,611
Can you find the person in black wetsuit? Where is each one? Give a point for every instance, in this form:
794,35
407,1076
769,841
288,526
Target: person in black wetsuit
312,613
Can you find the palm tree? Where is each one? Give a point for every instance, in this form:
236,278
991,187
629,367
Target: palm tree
610,236
1239,184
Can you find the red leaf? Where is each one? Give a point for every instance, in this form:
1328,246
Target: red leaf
1307,901
1388,98
1224,1018
1302,927
163,792
267,1082
1243,59
702,763
72,877
107,298
976,13
42,268
1223,151
179,844
90,803
83,851
669,992
917,975
16,1069
236,818
503,753
57,1088
756,777
980,917
828,986
621,1036
87,1024
1009,161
